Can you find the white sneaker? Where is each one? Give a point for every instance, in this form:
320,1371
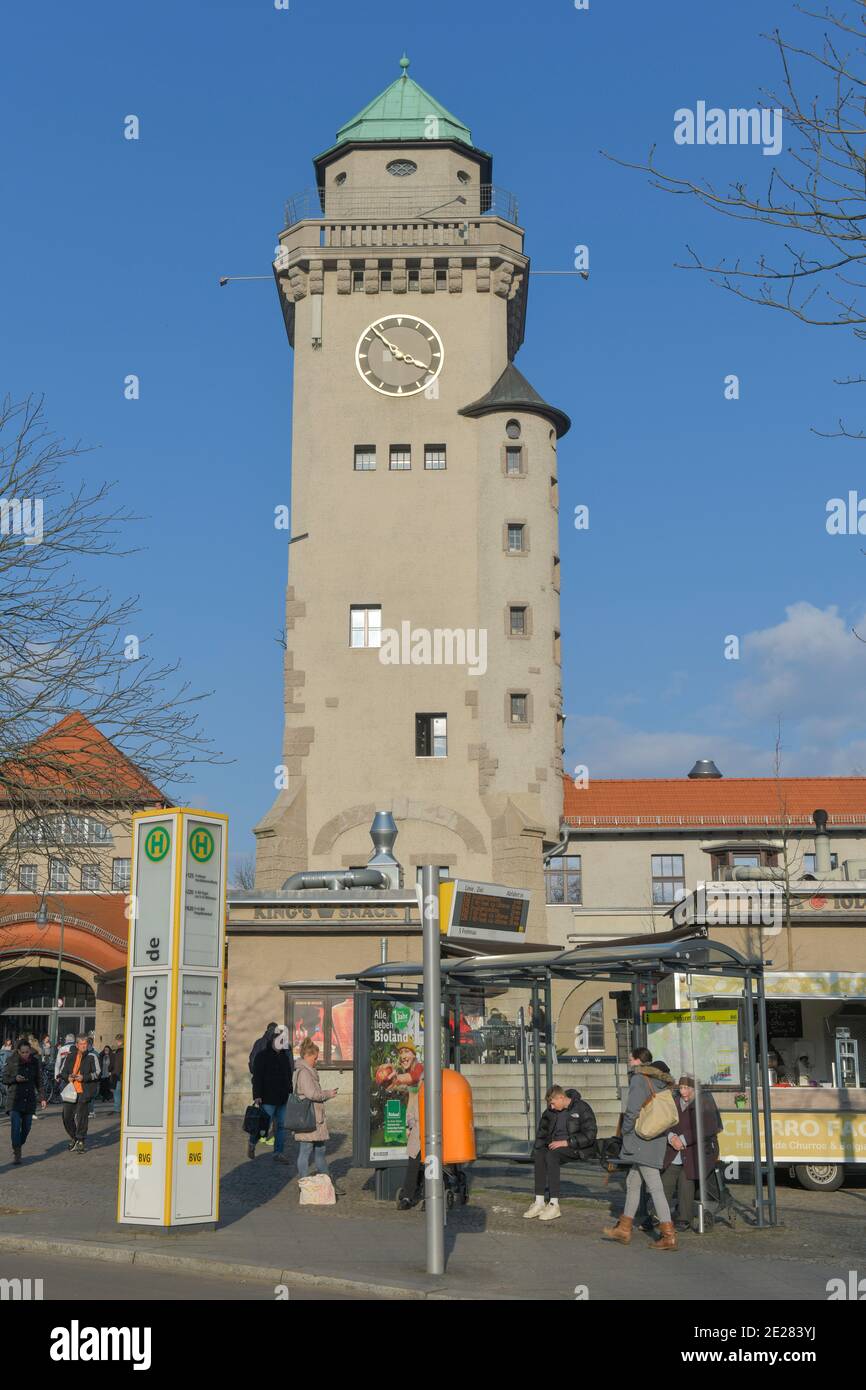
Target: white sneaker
536,1209
551,1212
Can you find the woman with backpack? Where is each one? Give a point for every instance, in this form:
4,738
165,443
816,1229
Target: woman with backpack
649,1106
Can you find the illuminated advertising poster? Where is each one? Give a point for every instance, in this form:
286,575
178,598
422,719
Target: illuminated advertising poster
708,1048
396,1071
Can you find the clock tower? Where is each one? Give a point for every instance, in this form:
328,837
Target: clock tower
422,668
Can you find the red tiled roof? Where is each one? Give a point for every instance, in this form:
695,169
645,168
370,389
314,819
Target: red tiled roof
714,801
73,759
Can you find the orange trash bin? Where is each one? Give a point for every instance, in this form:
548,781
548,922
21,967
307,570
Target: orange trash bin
458,1125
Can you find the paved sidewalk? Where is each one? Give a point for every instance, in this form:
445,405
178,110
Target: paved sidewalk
64,1204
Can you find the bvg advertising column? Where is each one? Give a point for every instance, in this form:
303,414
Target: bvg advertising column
170,1129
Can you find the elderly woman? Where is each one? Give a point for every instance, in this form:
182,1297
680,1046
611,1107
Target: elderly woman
311,1145
681,1160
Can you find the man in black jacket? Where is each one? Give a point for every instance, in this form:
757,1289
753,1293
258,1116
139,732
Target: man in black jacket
22,1075
566,1133
80,1070
272,1086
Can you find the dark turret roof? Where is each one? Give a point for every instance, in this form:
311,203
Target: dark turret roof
513,392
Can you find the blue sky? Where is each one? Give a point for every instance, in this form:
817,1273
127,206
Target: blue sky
706,515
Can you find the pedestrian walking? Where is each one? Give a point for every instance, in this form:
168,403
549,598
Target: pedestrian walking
105,1062
645,1156
62,1053
117,1071
272,1086
79,1076
311,1145
261,1044
566,1134
22,1076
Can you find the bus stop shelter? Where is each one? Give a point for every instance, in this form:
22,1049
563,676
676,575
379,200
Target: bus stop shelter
639,962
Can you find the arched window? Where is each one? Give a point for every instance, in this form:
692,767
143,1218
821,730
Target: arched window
65,828
38,993
589,1033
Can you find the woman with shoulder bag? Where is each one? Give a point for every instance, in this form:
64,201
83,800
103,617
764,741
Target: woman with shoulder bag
311,1143
648,1087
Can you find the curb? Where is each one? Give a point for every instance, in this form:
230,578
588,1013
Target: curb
217,1269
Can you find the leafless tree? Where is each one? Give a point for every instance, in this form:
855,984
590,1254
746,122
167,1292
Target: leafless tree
815,204
244,875
67,645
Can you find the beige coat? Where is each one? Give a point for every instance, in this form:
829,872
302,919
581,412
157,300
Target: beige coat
306,1083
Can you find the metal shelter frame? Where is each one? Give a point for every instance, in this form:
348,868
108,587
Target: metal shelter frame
636,961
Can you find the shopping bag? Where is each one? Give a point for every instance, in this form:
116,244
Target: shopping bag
316,1191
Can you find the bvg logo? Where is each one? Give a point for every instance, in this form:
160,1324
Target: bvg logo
201,844
157,843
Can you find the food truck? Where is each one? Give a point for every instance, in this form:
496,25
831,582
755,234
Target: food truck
816,1025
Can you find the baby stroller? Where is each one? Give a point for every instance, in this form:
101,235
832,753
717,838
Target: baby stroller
456,1185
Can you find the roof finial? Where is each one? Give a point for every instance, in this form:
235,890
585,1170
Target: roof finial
404,63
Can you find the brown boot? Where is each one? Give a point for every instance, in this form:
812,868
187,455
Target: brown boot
621,1231
668,1237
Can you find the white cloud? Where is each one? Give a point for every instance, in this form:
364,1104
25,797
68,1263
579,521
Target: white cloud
809,672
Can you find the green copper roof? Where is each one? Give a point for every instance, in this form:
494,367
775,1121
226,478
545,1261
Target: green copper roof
403,112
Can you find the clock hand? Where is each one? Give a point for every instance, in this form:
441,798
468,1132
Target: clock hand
392,347
413,362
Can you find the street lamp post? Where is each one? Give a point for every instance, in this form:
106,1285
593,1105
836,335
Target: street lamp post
42,921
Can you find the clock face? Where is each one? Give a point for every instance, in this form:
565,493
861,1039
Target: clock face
399,355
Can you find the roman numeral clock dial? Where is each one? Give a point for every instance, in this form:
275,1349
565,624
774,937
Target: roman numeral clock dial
399,355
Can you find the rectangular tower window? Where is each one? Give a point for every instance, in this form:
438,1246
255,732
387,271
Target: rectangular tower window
441,279
514,460
515,537
3,879
120,875
431,736
434,456
384,279
365,458
517,620
365,625
401,457
90,878
27,878
357,282
519,709
668,878
413,280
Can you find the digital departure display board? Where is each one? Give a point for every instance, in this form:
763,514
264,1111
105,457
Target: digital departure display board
483,911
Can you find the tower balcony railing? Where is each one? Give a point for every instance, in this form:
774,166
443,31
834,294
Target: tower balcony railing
398,204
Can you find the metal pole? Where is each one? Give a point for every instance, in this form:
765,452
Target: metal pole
536,1058
548,1048
434,1192
765,1091
521,1042
456,1048
753,1097
637,1038
57,979
699,1119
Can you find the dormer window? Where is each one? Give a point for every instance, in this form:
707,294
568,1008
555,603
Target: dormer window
401,168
